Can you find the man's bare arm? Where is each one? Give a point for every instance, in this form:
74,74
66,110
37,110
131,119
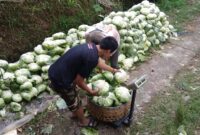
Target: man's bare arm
81,83
102,65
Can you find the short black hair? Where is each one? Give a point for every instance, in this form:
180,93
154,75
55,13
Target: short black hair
109,43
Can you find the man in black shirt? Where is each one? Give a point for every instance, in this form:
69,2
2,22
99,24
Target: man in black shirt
74,66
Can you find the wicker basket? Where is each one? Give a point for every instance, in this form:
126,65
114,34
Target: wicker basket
108,114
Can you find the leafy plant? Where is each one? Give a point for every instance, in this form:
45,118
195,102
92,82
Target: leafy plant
97,8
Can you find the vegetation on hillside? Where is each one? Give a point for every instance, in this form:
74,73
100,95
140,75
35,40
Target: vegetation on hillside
24,25
180,11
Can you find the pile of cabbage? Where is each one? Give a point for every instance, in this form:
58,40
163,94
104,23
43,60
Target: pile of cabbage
141,27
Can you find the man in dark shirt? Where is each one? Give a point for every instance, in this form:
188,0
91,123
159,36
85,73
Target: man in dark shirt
74,66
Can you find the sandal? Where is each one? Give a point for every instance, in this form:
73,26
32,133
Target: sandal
74,117
92,123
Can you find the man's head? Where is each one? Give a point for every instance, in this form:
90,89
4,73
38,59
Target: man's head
95,36
108,46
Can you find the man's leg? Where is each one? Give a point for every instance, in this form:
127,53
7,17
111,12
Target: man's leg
73,102
75,106
79,113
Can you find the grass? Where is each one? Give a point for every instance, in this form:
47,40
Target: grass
178,106
25,25
180,11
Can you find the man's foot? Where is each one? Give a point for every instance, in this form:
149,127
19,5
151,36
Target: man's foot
89,123
73,117
84,123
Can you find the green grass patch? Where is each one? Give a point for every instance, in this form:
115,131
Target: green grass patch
178,106
180,11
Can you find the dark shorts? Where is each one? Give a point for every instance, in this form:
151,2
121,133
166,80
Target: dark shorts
70,95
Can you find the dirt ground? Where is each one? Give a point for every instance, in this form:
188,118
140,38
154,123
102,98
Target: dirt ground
160,70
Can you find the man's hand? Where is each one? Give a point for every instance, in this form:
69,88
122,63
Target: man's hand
81,83
115,70
94,92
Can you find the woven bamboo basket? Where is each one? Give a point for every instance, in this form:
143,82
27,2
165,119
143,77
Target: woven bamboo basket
108,114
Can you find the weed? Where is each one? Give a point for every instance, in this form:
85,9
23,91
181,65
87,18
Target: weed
180,114
97,8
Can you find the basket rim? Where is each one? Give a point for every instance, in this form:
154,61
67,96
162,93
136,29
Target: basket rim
108,107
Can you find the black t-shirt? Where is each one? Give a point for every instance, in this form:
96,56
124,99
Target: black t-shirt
81,59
